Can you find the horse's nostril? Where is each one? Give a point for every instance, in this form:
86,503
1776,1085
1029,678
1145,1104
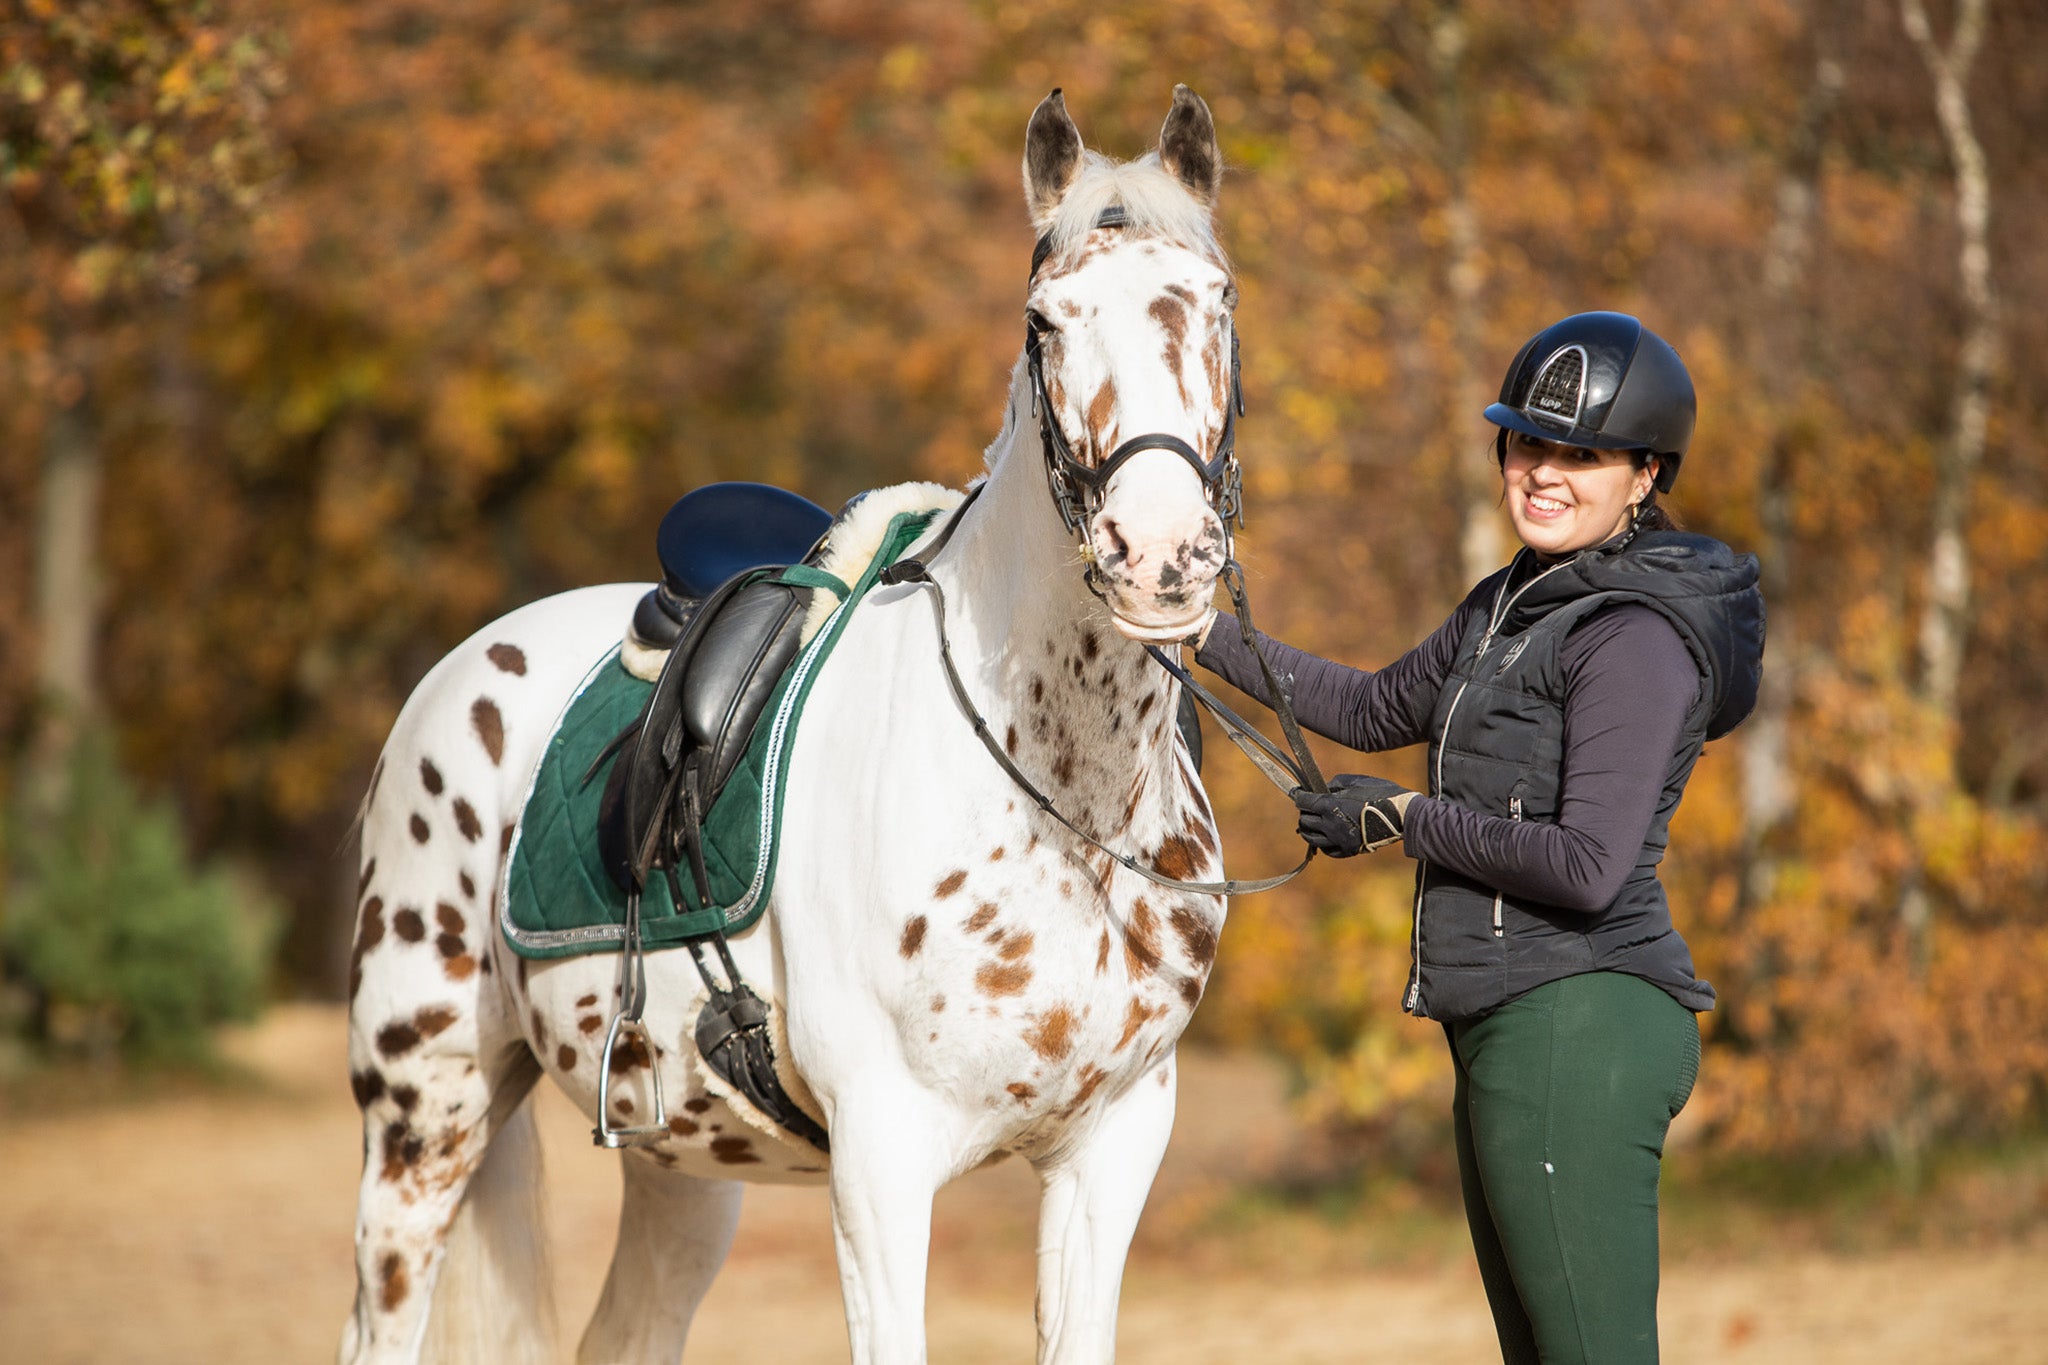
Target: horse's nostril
1114,548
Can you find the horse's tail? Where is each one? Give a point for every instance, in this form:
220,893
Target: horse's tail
495,1297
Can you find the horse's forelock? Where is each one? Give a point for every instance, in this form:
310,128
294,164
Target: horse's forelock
1155,204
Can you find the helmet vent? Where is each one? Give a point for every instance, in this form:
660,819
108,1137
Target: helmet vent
1560,386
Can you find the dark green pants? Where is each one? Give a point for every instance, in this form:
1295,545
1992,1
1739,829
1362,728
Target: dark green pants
1562,1103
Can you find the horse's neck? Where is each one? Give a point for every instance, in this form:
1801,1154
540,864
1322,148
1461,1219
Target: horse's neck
1080,706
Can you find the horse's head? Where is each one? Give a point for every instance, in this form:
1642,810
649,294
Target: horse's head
1134,361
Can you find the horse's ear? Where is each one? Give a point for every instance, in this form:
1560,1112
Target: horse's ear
1052,158
1187,146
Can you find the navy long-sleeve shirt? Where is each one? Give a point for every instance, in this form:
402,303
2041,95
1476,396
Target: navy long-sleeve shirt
1629,683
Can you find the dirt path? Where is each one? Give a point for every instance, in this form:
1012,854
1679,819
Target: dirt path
218,1230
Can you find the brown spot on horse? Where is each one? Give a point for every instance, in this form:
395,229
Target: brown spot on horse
697,1105
363,882
489,724
1002,978
420,832
1052,1035
984,915
1101,411
1015,948
408,925
392,1284
630,1053
587,1001
1141,940
366,1086
466,821
430,777
1023,1093
468,887
1135,1018
403,1149
1177,858
1197,935
682,1127
913,936
1092,1076
448,917
734,1151
949,884
565,1057
509,659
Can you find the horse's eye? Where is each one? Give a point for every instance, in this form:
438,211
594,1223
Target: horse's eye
1230,297
1035,320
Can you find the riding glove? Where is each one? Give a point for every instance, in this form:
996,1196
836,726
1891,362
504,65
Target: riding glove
1357,815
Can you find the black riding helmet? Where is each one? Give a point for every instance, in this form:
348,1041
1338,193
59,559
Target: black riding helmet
1602,380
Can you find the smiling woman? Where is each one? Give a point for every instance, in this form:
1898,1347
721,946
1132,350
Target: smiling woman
1564,704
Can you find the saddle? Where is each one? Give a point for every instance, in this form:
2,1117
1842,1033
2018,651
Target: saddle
736,588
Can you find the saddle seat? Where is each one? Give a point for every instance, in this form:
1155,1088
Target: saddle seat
711,534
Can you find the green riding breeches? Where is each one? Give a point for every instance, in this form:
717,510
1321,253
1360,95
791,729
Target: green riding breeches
1563,1099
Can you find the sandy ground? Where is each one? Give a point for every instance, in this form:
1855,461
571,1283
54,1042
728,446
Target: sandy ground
217,1229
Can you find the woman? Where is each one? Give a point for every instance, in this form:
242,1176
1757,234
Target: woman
1564,703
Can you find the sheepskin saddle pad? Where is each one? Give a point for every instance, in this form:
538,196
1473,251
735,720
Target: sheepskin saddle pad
564,892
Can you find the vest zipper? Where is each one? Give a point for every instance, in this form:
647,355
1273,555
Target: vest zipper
1502,600
1514,813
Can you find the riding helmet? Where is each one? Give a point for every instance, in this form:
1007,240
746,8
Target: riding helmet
1602,380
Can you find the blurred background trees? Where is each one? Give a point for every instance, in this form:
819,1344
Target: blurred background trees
358,324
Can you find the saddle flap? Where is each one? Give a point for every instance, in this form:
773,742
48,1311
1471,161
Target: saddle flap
743,653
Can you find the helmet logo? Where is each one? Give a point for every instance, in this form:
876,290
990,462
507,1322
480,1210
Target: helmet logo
1559,389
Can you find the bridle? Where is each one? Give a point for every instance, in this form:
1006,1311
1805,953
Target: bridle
1222,481
1222,486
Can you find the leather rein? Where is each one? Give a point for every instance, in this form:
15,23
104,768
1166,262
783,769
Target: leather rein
1222,487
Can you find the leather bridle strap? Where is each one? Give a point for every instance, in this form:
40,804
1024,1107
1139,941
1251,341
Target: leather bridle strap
914,572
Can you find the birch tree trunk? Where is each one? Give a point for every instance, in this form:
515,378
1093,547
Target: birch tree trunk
1479,538
1945,615
1768,790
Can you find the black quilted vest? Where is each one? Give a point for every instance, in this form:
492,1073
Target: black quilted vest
1497,744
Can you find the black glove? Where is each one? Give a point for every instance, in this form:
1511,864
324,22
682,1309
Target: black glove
1357,815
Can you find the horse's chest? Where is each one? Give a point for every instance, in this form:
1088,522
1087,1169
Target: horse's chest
1033,995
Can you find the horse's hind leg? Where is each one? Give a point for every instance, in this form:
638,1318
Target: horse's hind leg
674,1231
431,1104
1089,1211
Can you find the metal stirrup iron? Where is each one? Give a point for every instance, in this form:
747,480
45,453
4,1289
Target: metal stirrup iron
627,1020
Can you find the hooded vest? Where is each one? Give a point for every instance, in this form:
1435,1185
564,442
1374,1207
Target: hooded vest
1497,747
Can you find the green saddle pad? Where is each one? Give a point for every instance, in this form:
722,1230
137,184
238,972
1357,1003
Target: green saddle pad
558,899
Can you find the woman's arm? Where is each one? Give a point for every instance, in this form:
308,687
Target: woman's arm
1357,707
1629,683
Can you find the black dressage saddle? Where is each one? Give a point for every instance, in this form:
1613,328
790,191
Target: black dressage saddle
731,631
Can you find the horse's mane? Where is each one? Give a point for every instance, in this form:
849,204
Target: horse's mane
1154,201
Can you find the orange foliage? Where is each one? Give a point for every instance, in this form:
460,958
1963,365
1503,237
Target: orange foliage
537,266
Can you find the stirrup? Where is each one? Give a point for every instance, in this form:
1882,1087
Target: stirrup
604,1135
632,1000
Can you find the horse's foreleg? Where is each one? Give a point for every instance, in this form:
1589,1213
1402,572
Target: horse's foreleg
1093,1195
886,1166
674,1231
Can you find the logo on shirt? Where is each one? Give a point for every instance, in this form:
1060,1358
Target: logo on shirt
1514,653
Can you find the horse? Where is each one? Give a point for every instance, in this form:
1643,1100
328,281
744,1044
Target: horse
960,970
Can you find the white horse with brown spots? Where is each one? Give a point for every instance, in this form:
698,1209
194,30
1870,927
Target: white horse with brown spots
959,975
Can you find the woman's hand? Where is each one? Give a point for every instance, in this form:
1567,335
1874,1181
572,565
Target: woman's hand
1357,815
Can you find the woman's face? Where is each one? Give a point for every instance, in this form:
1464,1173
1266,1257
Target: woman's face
1565,498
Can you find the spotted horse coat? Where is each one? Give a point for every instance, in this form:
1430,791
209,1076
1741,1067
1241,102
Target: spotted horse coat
960,977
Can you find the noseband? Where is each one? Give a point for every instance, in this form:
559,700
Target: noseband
1077,488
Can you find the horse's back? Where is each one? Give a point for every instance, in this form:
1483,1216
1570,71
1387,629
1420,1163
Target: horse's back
489,705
